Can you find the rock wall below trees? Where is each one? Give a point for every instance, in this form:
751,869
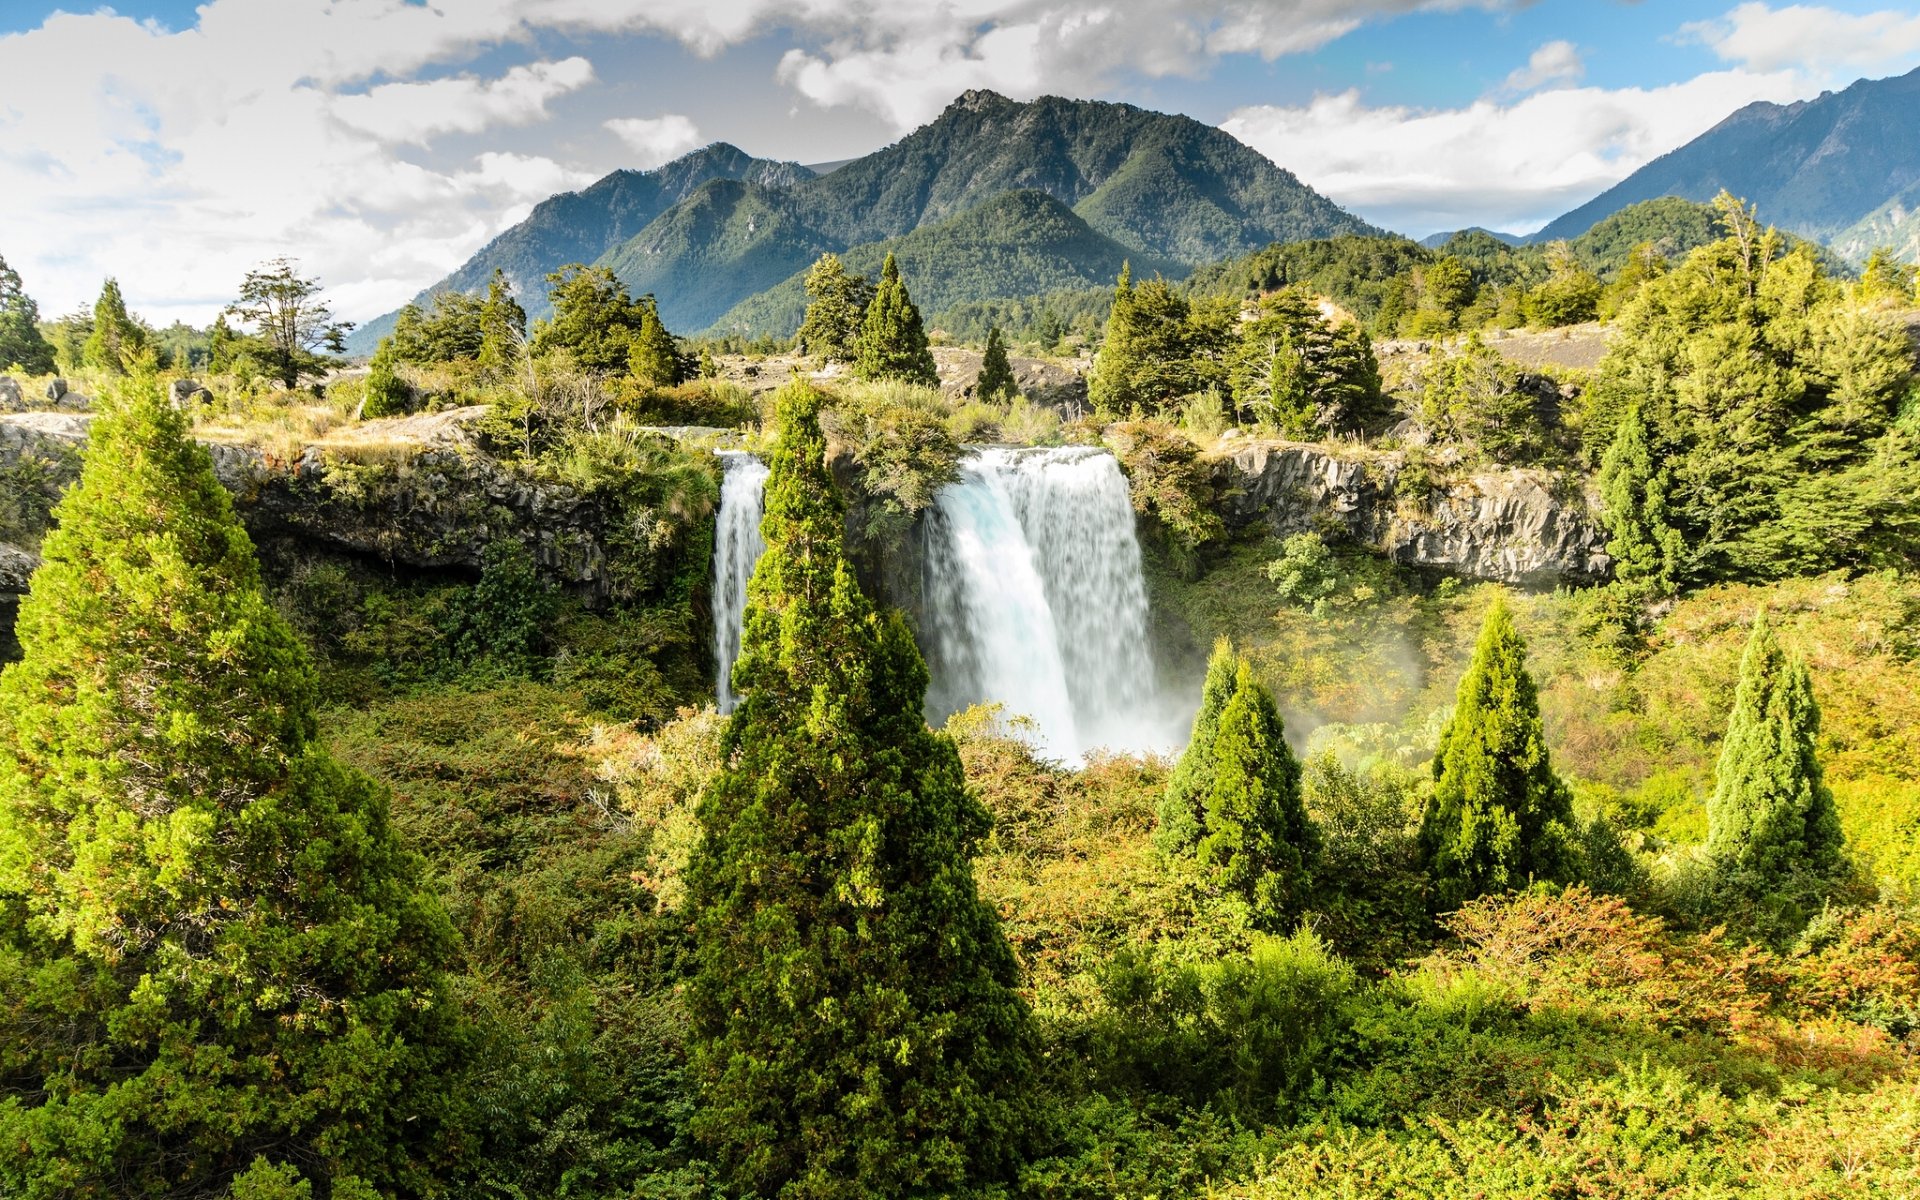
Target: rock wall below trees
1506,524
410,492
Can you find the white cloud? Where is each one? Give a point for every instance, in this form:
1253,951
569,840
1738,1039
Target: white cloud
419,112
1510,165
655,140
1810,37
1555,62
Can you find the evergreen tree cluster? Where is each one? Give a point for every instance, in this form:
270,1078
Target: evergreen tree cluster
22,346
1746,419
876,328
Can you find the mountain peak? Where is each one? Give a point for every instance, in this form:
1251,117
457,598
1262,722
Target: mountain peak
977,100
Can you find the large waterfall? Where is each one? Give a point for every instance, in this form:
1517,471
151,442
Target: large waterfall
736,548
1034,598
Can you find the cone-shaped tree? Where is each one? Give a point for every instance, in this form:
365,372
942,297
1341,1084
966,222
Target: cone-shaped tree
653,358
1183,809
1771,812
117,338
212,948
503,327
1498,816
893,345
386,395
1258,839
858,1034
1644,547
996,380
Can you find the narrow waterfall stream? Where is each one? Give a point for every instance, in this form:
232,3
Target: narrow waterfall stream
736,548
1034,599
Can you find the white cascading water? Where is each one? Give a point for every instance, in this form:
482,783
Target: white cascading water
736,548
1034,599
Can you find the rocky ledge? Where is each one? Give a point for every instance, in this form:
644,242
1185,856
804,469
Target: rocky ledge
1506,524
409,491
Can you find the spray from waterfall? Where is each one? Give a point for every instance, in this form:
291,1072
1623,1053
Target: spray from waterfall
1034,598
736,548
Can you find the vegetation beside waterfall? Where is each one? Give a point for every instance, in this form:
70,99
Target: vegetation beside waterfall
1454,889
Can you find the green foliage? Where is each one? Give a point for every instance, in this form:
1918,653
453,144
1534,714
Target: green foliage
1498,817
22,346
853,997
1472,394
593,318
1636,498
893,343
1298,372
1570,295
1771,811
501,624
450,331
386,395
1306,573
213,946
837,302
1182,810
115,340
1168,483
503,328
291,323
900,441
653,358
1158,347
995,381
1255,836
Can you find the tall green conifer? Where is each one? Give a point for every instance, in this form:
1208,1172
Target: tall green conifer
837,303
117,338
1183,808
21,343
1771,812
1258,839
858,1031
1635,494
503,327
1498,816
653,358
996,380
893,344
212,947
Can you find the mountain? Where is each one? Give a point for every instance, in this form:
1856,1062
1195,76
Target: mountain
1018,243
581,226
1836,169
1167,189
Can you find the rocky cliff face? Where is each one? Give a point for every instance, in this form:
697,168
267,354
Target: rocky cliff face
1501,524
411,492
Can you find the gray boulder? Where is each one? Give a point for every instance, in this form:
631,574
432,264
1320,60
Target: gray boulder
188,394
56,388
11,399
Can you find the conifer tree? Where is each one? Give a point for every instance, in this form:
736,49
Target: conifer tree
1635,496
893,345
212,947
858,1034
1771,812
224,346
387,394
117,338
837,303
653,358
503,327
21,344
1182,816
1258,839
1498,816
996,380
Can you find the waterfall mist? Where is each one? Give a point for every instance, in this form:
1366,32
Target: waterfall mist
1034,598
736,548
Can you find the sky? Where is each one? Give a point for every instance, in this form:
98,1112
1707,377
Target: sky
174,145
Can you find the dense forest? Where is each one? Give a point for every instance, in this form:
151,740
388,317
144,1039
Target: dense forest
386,872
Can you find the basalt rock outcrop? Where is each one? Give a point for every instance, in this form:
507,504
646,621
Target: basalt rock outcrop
412,492
1500,523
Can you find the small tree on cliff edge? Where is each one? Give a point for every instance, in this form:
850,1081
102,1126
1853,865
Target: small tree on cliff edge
996,380
1498,816
291,323
858,1031
213,949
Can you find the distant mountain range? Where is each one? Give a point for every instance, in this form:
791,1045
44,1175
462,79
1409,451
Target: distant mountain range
1434,241
1842,169
712,230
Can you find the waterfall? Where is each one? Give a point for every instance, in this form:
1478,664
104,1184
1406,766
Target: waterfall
736,548
1034,598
